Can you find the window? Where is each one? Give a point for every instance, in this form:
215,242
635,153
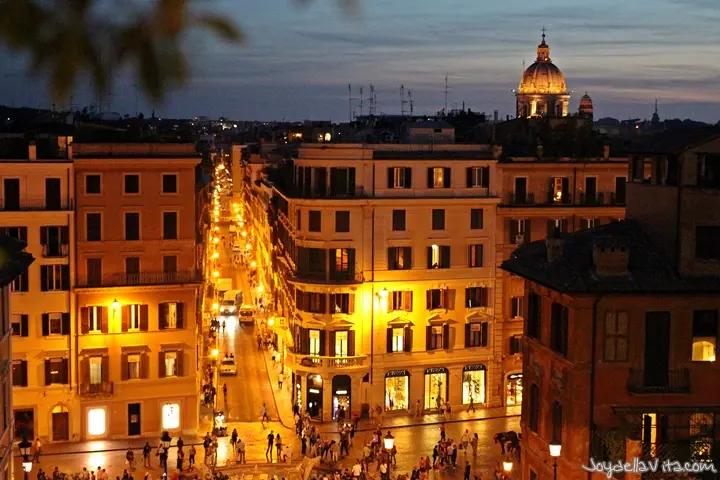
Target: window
56,371
476,334
54,241
707,243
95,315
586,223
170,225
55,323
93,184
132,270
557,423
315,346
171,364
438,298
438,256
133,366
402,300
19,373
52,194
398,220
298,220
534,408
94,272
134,313
342,303
478,177
438,219
397,340
559,328
557,224
515,344
170,266
54,277
516,307
519,231
96,373
169,183
399,177
20,283
132,226
476,218
20,325
704,335
315,221
93,227
708,171
437,338
534,320
341,343
96,421
342,181
616,337
477,297
342,221
475,256
438,177
399,258
131,184
171,315
11,194
170,416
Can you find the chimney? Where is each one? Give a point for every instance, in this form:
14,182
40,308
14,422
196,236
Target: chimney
606,151
555,246
497,151
540,150
611,257
32,151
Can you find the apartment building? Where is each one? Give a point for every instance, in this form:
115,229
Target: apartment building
384,258
542,194
621,323
37,209
15,263
138,289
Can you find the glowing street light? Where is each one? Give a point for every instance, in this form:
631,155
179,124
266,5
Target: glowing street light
215,255
115,304
215,306
388,441
244,234
507,466
216,240
214,352
216,274
260,288
248,246
555,448
253,264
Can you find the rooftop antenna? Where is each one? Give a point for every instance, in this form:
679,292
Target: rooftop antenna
137,103
349,102
447,90
410,101
402,100
373,100
361,101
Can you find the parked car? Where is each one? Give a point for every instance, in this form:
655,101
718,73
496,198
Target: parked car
227,308
227,366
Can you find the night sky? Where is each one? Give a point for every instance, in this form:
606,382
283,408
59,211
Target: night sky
298,61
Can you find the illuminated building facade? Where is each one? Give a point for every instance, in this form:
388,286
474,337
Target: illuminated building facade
542,91
138,289
384,255
621,323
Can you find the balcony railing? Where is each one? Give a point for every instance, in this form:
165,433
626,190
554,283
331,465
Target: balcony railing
329,277
139,279
592,199
554,199
38,206
55,251
673,381
317,362
616,199
520,199
96,389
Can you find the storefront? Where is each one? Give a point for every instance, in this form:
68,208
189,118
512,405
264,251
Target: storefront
341,390
397,390
473,385
297,390
315,395
513,389
436,387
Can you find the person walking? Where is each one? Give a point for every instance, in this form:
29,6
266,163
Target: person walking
36,450
147,449
466,474
191,457
234,438
474,443
278,446
465,441
240,451
472,404
281,377
418,409
265,415
271,441
225,391
180,458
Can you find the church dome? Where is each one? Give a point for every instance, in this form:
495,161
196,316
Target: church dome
586,103
543,76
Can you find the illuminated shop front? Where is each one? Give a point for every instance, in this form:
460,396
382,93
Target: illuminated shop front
397,390
436,387
513,389
170,416
474,381
96,422
315,395
341,390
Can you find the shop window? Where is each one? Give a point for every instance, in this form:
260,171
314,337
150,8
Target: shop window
514,389
170,416
436,387
473,384
397,388
534,422
616,337
704,335
96,421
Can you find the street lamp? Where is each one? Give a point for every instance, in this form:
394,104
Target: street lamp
115,304
555,448
388,441
24,447
165,442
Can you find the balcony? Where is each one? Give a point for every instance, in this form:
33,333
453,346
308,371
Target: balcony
521,199
557,198
38,205
55,251
616,199
141,279
343,278
674,381
103,389
314,363
597,198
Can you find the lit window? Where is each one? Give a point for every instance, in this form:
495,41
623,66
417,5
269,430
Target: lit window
170,416
133,366
398,339
96,372
171,364
435,256
55,323
341,344
95,318
171,315
134,320
704,339
438,180
96,421
314,342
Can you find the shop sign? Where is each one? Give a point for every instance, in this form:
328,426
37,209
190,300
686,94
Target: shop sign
470,368
397,373
431,371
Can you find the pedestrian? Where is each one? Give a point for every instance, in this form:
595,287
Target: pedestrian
418,409
225,391
41,475
465,441
357,470
180,457
303,446
240,451
180,443
281,377
466,475
36,450
270,440
442,431
234,438
146,456
472,404
265,415
278,446
191,457
474,444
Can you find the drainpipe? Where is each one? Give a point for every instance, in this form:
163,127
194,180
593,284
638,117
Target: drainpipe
593,349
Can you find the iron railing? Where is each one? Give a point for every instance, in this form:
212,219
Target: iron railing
98,389
139,279
651,381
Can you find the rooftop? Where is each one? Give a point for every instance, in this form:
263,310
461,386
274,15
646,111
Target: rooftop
673,142
649,271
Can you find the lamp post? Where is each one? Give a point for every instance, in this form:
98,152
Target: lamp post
24,447
165,442
555,448
388,441
507,467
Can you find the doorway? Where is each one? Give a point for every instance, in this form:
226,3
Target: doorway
25,424
513,389
60,424
315,395
341,397
657,349
134,419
